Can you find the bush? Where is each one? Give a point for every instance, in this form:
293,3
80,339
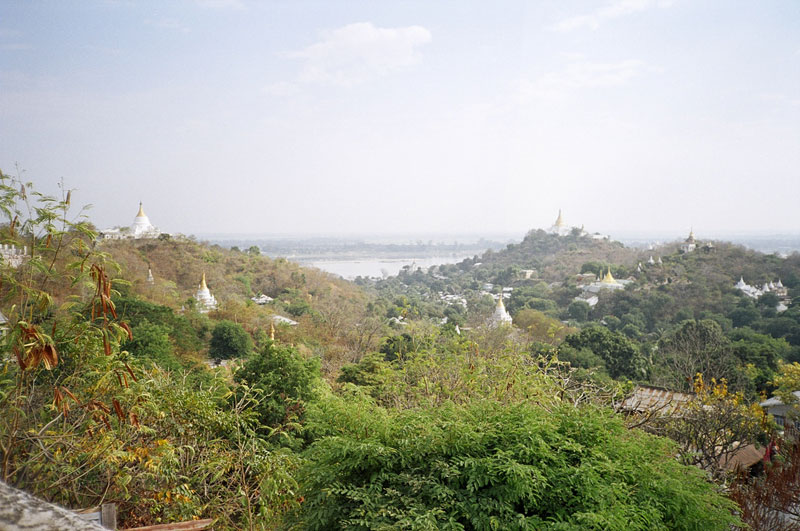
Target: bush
287,381
229,340
490,465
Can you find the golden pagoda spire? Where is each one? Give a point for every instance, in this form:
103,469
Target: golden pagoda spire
559,220
609,278
272,331
203,282
141,213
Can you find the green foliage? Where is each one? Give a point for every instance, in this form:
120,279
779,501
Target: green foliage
620,354
287,381
229,340
492,465
151,342
186,336
579,311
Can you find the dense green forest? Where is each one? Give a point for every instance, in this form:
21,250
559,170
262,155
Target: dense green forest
390,404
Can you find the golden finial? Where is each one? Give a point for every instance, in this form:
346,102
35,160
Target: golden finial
559,220
203,282
609,278
141,213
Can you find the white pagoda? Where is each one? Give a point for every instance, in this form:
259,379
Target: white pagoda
560,228
141,228
500,317
205,300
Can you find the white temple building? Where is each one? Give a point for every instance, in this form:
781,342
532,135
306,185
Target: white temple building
205,300
608,282
140,228
500,317
690,244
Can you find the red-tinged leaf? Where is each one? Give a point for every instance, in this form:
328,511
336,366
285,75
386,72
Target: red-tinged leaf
57,398
134,419
119,378
118,410
69,394
105,421
130,371
22,364
106,344
127,328
50,356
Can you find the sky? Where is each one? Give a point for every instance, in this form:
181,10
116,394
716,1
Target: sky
343,117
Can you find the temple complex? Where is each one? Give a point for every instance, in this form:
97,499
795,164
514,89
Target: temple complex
205,300
141,228
607,282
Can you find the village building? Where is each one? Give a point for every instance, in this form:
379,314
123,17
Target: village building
262,299
205,300
279,319
786,416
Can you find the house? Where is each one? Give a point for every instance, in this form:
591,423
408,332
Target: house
786,416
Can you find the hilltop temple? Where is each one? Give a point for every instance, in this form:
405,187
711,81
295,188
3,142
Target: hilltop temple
690,244
560,228
205,300
141,228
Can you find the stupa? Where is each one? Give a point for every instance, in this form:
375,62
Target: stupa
205,300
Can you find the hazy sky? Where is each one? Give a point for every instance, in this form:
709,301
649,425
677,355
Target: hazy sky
449,116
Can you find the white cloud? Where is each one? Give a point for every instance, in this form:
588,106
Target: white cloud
359,52
616,9
579,75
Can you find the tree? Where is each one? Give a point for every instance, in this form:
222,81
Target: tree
541,327
495,465
287,381
151,342
229,340
620,354
579,311
712,426
695,347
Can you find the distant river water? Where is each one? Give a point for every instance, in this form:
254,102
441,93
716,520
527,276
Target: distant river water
377,267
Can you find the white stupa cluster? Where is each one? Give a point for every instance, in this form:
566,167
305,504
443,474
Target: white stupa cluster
13,255
140,228
755,292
